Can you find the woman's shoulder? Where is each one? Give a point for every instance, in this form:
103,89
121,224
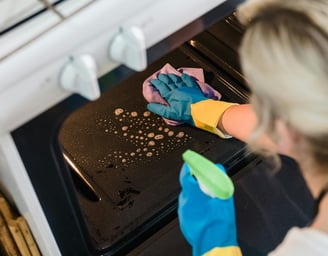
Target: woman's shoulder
303,241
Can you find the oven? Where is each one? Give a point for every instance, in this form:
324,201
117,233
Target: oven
79,154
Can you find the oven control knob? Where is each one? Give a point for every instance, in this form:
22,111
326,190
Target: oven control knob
129,47
79,75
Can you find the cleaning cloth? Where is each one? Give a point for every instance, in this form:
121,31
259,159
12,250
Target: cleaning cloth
152,95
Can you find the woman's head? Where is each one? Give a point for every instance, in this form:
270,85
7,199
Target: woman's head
284,54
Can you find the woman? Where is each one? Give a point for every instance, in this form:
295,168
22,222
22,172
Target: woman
284,55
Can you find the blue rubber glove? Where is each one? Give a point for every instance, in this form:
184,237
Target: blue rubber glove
207,223
180,93
187,103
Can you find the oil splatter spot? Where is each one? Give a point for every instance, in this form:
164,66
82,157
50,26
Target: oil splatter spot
143,133
151,135
180,134
159,137
126,198
118,111
146,114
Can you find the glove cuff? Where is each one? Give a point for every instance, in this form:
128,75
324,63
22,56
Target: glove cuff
224,251
206,115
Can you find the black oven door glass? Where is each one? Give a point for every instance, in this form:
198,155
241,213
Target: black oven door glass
129,158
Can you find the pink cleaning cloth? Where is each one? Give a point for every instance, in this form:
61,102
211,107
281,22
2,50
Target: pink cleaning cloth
152,95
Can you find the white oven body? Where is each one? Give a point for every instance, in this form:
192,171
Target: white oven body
33,72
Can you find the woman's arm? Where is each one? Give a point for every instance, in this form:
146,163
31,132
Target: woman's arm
239,121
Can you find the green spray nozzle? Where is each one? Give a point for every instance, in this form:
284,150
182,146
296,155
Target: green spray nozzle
211,179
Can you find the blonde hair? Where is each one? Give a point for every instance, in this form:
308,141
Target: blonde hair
284,54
